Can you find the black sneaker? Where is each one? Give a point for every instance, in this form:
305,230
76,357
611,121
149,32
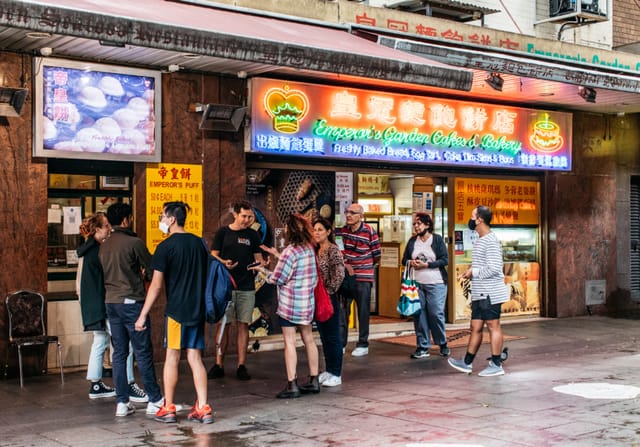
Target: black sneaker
242,373
216,372
99,390
137,394
445,351
420,354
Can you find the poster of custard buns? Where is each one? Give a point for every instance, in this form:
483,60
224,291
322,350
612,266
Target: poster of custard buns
98,112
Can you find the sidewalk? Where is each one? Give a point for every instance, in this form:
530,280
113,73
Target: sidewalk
386,399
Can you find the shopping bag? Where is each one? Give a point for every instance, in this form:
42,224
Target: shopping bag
409,302
323,305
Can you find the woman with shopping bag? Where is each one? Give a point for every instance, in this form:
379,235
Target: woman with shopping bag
426,255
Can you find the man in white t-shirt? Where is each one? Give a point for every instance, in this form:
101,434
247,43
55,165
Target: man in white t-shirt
488,292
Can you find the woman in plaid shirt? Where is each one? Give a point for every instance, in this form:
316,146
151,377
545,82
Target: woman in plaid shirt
296,277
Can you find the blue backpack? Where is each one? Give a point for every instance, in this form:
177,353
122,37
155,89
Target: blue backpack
218,290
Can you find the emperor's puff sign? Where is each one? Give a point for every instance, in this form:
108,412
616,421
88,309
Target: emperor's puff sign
171,182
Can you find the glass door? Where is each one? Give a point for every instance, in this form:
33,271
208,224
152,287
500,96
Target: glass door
71,198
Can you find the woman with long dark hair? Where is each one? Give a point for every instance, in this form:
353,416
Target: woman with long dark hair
90,287
331,267
426,252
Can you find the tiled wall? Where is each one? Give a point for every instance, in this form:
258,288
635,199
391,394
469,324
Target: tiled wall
64,320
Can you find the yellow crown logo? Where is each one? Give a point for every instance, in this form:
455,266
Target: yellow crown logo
286,107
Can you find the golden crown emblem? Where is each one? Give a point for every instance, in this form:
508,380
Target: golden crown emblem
286,107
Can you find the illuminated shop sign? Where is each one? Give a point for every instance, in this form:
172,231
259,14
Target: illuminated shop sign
170,182
293,118
512,202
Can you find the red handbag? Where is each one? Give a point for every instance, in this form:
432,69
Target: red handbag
324,308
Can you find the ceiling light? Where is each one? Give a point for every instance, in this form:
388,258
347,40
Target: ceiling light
191,56
46,51
111,43
173,68
38,35
587,93
495,81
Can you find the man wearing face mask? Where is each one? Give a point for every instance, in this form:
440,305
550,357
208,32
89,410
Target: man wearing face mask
180,266
488,292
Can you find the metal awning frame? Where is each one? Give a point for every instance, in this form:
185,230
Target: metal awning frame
515,64
124,31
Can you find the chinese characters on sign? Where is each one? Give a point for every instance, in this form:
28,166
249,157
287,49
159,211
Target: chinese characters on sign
469,34
373,184
341,122
511,202
167,182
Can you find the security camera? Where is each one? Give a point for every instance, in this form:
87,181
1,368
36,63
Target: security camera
173,68
46,51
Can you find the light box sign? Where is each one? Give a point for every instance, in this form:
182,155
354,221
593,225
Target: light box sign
169,182
93,111
293,118
512,202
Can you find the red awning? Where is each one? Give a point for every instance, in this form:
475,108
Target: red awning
189,28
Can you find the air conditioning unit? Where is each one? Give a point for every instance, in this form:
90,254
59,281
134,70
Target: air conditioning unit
562,7
114,182
590,6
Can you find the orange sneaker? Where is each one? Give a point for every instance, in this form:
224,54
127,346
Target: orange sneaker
166,413
202,415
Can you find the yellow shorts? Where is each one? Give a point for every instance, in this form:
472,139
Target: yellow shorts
178,336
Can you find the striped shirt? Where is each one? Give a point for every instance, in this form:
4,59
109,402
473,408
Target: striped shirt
296,277
361,250
487,278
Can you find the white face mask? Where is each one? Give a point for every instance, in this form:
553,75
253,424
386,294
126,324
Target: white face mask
164,227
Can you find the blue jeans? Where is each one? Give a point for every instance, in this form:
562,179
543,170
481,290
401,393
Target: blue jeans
431,316
363,303
122,318
96,357
330,335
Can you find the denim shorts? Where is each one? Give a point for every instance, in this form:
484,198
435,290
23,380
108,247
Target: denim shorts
286,323
484,310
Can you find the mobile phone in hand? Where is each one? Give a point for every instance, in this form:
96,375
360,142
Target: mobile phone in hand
254,264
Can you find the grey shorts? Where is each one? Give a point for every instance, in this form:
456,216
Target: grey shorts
241,306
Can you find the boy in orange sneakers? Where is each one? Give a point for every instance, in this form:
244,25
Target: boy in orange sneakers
180,265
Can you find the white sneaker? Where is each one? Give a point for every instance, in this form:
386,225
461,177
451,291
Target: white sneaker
360,351
323,376
153,407
332,381
123,409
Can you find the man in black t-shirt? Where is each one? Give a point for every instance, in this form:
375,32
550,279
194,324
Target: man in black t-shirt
180,266
237,246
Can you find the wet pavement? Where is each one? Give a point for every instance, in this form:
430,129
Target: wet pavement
386,399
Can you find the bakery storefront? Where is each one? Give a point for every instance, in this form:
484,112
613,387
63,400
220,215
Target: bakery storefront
315,149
